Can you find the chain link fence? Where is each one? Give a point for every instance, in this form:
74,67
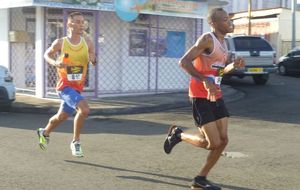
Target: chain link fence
22,48
133,57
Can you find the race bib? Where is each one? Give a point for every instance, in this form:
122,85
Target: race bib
74,73
217,80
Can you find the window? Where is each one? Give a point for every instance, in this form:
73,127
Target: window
297,53
251,44
138,42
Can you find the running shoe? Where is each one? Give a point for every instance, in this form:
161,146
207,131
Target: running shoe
43,140
172,138
76,149
201,182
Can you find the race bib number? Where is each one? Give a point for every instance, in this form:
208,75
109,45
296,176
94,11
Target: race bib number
74,73
217,80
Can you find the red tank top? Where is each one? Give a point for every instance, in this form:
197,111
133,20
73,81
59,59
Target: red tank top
211,66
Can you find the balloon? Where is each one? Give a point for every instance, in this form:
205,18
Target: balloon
125,9
142,1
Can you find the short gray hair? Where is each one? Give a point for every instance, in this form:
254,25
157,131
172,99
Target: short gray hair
212,15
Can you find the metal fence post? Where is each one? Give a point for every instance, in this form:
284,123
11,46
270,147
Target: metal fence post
294,5
39,52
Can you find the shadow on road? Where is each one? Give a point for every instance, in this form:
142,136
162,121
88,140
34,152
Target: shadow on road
103,125
150,180
136,172
274,101
139,178
125,126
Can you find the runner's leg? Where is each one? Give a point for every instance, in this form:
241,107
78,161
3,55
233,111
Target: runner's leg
55,120
217,140
197,140
82,113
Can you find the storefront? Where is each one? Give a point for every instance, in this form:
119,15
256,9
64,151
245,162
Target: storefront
140,56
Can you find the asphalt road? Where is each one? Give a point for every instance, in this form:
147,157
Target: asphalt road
278,101
125,151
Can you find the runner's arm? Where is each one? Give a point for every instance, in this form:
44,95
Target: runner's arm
51,52
239,62
92,55
186,62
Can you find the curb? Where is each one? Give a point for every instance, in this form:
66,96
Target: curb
180,100
137,110
107,111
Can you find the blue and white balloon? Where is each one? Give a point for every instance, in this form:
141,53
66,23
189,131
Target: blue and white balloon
126,9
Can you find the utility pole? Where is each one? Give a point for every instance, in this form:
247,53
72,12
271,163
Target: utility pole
294,5
249,16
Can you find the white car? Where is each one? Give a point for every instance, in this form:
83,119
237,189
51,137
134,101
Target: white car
7,89
259,56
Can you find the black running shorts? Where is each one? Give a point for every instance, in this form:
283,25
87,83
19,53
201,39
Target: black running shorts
205,111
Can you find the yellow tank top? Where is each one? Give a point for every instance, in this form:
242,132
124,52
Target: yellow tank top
74,74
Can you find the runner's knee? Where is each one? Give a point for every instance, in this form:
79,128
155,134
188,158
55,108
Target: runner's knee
212,145
224,141
84,111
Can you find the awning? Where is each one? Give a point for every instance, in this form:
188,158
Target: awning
178,8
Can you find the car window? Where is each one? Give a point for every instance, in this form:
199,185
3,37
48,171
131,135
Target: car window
251,44
297,53
293,53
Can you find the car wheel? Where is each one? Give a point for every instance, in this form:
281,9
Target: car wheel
260,79
282,70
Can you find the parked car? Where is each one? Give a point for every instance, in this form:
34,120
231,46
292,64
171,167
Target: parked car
289,63
259,56
7,89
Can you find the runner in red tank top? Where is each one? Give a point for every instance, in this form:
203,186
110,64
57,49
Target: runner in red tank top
205,63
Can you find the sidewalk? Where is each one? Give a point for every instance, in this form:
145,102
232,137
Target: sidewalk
118,104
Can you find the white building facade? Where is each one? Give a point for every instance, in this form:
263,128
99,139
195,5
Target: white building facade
235,6
133,57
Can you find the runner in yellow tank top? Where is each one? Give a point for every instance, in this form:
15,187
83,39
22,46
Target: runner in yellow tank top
72,74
